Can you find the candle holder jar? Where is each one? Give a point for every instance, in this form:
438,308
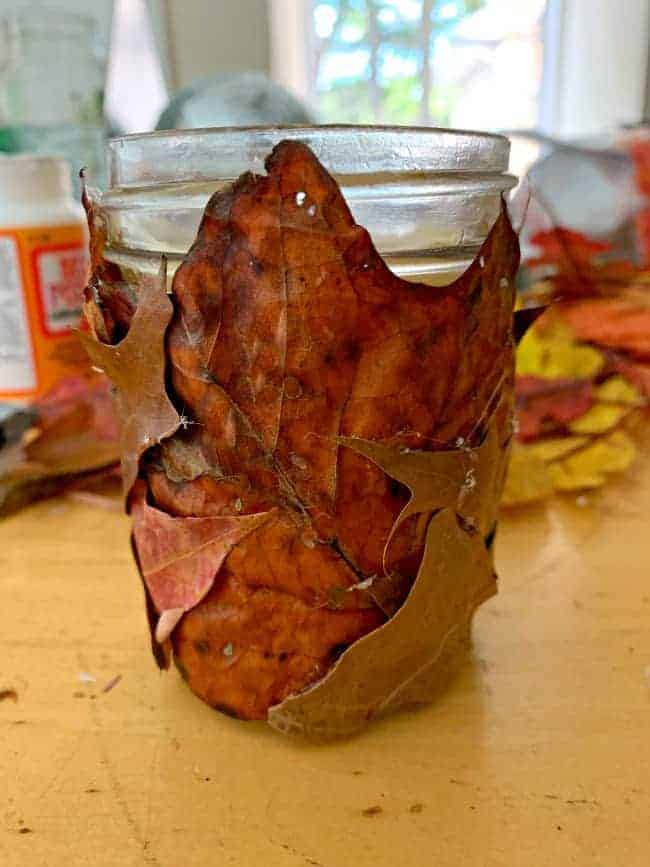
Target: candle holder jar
316,401
427,196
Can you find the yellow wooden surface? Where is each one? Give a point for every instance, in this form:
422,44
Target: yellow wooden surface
538,753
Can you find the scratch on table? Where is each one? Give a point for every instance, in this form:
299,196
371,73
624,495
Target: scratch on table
116,786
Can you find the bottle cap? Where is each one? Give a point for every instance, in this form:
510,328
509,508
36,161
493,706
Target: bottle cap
26,178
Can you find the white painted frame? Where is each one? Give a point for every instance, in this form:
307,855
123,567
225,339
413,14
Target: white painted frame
291,35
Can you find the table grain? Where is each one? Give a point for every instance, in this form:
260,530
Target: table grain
538,753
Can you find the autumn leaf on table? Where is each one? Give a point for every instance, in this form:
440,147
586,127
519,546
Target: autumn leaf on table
545,406
136,367
581,372
604,303
622,324
578,266
565,248
567,426
293,351
73,438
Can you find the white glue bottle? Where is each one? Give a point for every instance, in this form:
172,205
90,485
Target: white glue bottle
43,269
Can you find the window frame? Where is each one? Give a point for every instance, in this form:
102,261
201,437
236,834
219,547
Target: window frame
564,81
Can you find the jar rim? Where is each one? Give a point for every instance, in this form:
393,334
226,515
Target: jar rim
182,156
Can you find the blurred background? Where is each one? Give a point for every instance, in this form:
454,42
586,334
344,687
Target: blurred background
576,70
567,80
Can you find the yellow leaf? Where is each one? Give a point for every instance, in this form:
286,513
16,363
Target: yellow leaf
553,354
527,480
588,467
619,390
599,419
612,454
576,479
552,449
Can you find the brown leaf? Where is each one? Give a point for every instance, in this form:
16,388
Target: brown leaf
136,366
73,438
457,478
469,481
455,576
109,302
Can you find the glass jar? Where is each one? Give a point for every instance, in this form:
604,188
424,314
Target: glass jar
414,387
427,196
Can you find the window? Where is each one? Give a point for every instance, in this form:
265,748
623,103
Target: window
463,63
135,87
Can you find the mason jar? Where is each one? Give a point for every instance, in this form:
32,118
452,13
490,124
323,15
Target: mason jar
338,422
427,196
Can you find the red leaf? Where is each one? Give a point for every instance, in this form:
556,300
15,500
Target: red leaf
180,557
616,323
636,372
544,406
561,244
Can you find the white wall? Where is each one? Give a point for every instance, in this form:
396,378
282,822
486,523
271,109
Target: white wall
598,74
207,36
98,9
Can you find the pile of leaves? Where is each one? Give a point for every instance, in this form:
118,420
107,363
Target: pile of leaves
68,441
312,450
583,369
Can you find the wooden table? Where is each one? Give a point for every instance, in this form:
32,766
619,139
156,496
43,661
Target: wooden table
538,754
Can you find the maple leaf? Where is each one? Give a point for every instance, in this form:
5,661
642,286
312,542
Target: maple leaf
136,367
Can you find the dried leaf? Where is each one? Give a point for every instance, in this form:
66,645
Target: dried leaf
463,479
636,373
454,577
554,354
617,323
136,366
589,467
616,389
559,244
544,406
599,419
181,557
74,438
552,449
527,479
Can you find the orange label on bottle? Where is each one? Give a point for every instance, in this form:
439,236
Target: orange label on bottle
42,274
